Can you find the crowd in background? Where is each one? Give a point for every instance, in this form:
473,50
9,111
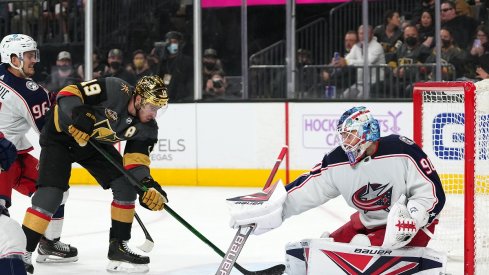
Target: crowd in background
401,51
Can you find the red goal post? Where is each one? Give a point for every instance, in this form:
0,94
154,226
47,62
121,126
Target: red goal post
451,125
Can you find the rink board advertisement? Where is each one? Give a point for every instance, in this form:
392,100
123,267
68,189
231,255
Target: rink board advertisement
236,144
443,141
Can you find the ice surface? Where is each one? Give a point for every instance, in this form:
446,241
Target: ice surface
177,251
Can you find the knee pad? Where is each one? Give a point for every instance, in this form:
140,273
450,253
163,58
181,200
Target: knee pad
122,190
361,239
295,260
47,198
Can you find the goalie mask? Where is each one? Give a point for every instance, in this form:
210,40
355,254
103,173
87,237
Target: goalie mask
152,91
357,130
17,44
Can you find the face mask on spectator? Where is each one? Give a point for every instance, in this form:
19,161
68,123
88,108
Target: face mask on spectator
172,48
209,65
64,68
138,63
411,41
445,43
115,65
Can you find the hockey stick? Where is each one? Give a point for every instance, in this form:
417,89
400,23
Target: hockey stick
274,270
148,244
240,238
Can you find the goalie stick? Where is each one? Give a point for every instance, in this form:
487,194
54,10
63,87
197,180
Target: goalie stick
244,231
274,270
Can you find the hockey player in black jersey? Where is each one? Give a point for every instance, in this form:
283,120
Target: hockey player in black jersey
106,110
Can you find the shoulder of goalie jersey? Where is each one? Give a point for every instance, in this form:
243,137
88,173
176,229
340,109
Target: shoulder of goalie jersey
337,155
397,144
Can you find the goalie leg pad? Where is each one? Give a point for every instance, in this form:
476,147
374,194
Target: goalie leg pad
341,258
295,257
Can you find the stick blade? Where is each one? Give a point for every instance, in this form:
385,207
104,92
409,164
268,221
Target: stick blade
147,246
274,270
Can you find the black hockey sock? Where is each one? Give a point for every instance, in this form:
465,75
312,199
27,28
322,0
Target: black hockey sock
34,225
32,237
120,230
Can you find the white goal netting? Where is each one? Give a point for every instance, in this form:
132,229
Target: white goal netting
444,116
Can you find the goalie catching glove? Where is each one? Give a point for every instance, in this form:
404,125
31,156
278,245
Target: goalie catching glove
403,225
263,209
154,198
83,124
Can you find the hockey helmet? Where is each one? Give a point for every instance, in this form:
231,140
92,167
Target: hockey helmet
152,90
357,130
17,44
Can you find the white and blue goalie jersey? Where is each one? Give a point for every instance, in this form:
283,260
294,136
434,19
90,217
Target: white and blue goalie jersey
373,185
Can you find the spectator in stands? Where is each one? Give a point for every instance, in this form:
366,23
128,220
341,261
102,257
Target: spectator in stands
304,76
25,16
426,29
483,68
98,67
351,38
480,12
409,56
211,65
139,65
389,34
175,68
355,58
341,76
63,74
462,8
422,6
462,27
115,60
452,56
481,43
215,87
61,14
480,47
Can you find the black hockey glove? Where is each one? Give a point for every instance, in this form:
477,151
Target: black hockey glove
83,123
154,198
8,153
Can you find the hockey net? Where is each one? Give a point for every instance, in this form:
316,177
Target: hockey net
451,124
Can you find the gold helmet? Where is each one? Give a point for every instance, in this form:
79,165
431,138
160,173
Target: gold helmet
152,90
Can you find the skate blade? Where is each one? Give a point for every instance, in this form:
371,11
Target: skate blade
117,266
48,259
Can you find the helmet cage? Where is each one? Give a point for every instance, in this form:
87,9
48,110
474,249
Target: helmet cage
357,130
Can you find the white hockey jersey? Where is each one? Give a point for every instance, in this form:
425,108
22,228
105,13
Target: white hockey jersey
373,185
23,104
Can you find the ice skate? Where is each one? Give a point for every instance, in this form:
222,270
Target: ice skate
123,259
27,258
56,251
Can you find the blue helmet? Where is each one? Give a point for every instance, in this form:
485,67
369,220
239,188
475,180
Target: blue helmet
357,130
